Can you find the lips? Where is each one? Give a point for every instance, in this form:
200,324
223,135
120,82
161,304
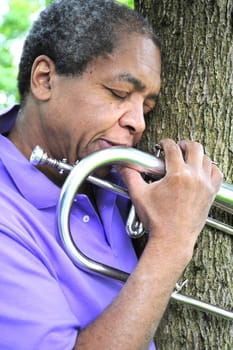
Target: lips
107,144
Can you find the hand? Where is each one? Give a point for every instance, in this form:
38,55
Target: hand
174,209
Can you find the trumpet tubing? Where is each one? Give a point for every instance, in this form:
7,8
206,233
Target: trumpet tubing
142,162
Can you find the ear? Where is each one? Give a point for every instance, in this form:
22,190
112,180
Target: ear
43,69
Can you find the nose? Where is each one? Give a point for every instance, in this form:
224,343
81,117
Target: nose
133,119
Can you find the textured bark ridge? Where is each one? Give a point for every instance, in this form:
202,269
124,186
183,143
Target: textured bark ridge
197,103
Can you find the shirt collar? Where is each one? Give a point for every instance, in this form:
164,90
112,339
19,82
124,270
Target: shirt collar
31,183
7,118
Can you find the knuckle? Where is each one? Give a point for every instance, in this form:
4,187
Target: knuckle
182,176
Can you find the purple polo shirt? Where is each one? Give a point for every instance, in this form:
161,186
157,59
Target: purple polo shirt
44,298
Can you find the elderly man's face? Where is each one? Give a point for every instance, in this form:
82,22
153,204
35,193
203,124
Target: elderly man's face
106,105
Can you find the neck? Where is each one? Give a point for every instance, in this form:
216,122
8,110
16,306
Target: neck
17,134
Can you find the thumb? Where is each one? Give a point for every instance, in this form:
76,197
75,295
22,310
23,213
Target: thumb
133,181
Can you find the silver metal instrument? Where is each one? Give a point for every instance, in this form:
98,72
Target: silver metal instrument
144,163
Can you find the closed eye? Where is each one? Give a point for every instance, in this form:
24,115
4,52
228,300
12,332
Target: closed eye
150,103
148,107
119,93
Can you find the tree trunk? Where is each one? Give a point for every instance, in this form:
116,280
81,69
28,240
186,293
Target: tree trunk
196,103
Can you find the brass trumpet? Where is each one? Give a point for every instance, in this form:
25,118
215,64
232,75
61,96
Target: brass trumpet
144,163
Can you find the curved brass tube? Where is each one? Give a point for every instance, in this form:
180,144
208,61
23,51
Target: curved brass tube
80,172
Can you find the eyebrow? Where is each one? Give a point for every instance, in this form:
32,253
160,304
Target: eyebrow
137,84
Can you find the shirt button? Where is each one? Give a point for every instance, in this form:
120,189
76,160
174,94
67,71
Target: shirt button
86,218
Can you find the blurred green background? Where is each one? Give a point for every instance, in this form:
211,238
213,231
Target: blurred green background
16,17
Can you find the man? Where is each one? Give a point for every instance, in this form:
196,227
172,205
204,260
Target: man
89,74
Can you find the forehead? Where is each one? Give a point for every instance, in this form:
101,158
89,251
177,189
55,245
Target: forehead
136,60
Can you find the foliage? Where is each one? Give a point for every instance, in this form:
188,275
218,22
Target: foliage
12,32
129,3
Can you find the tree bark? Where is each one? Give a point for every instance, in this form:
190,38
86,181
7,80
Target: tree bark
196,104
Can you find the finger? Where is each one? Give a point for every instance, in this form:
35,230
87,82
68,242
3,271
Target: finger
207,165
216,176
173,154
193,152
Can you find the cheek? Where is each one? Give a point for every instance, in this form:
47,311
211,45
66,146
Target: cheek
90,114
97,116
